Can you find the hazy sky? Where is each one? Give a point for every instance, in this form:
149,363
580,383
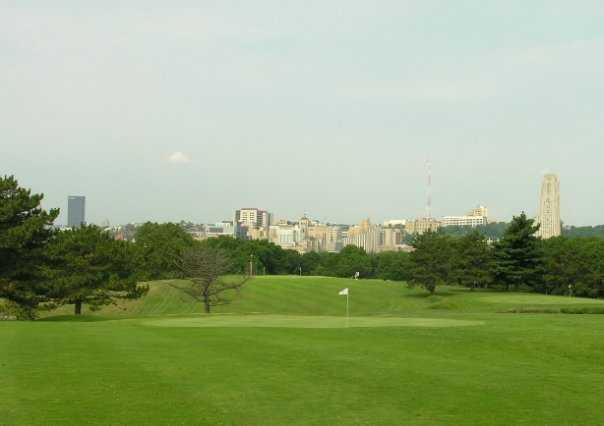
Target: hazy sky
329,107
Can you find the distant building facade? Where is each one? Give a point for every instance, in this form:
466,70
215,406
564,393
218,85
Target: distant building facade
366,236
421,225
76,211
477,216
252,223
549,207
464,221
479,211
306,235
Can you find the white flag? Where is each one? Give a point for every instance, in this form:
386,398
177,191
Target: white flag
343,292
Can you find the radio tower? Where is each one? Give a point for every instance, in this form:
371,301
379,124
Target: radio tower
429,190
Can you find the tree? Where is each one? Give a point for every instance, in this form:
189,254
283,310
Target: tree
158,245
309,262
25,229
573,265
206,267
394,265
518,258
87,266
351,260
473,260
431,260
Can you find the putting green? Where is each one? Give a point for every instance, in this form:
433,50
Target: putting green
300,321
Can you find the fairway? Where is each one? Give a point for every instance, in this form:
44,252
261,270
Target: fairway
280,353
293,321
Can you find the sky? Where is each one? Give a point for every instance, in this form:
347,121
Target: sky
187,110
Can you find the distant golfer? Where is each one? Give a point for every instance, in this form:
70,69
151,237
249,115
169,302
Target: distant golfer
357,275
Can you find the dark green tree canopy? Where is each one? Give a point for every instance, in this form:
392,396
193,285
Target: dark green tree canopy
473,261
25,228
159,246
87,265
431,260
518,255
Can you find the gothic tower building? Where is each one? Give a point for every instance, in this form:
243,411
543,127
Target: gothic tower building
549,207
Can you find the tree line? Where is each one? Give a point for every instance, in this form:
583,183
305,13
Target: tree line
519,260
40,265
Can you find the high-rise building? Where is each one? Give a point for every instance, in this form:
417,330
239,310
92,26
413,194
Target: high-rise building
253,218
76,211
252,221
549,207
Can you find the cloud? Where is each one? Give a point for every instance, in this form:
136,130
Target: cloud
178,157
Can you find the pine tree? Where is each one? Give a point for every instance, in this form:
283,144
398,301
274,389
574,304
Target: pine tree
87,266
518,255
474,260
431,260
25,229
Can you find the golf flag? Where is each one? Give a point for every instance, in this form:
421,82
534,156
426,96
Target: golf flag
343,292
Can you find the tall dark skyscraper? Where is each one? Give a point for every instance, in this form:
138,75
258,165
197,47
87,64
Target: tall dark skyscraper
76,211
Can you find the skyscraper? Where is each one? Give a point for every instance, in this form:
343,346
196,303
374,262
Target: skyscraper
76,211
549,207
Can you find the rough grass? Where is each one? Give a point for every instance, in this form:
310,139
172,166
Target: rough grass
157,361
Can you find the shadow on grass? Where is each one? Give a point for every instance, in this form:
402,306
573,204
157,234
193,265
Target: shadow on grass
437,293
74,318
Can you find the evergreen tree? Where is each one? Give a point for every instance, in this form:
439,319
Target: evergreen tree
25,229
473,261
87,266
431,260
518,255
393,265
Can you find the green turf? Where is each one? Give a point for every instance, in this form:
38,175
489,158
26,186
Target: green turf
400,361
307,321
318,296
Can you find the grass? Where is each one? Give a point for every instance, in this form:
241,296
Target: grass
292,295
280,353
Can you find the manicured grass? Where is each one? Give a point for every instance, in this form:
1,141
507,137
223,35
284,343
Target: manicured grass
318,296
307,321
401,361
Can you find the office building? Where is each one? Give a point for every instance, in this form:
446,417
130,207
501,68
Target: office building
252,223
366,236
421,225
463,221
76,211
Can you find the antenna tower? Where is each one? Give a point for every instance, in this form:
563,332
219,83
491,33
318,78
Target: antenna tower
429,190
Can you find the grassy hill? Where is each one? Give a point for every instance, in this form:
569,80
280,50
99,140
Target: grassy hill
319,296
281,353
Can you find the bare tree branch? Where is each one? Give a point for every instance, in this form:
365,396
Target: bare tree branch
206,269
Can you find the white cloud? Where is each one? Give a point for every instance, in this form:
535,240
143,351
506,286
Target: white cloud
178,157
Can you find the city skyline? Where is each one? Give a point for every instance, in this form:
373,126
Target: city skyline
446,219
